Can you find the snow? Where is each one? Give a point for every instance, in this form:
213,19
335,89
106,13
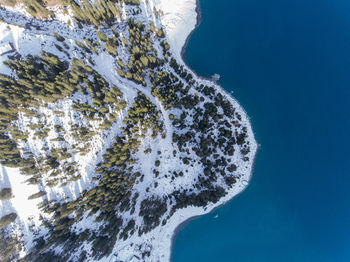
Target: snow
178,17
4,48
27,211
21,192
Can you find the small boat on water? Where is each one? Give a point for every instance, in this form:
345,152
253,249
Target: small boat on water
216,215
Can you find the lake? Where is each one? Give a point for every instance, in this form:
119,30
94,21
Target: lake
288,63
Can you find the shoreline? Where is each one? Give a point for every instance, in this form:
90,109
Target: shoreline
188,220
198,11
198,22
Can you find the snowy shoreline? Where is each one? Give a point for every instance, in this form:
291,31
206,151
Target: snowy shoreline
254,145
184,47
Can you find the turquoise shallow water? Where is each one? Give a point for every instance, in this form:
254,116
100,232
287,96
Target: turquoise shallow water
288,63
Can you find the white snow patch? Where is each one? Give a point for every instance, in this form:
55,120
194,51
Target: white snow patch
25,209
179,18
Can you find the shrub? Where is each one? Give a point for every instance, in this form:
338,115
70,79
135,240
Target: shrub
7,219
5,193
37,195
157,163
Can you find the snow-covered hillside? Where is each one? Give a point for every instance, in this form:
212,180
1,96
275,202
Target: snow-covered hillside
108,142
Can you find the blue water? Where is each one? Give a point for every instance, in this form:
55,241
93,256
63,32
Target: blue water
288,63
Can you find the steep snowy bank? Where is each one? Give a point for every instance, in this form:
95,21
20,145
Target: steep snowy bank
179,18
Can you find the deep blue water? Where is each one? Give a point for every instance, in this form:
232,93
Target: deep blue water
288,63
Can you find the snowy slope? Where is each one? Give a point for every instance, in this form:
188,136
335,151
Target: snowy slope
179,18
